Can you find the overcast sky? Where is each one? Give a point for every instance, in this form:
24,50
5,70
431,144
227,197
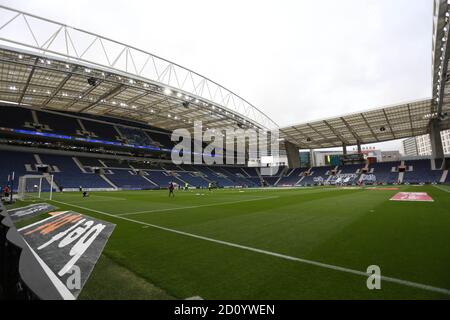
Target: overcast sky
295,60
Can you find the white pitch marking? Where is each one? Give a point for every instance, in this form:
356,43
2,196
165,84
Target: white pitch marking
199,206
441,188
274,254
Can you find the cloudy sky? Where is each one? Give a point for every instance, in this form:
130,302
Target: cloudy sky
295,60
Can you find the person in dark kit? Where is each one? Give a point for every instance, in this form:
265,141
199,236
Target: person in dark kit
6,192
85,194
171,188
81,189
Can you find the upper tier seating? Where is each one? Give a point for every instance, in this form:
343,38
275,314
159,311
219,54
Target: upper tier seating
15,117
104,129
58,123
101,130
162,138
136,136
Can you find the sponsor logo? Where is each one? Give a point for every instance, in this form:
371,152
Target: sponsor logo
69,244
29,211
411,196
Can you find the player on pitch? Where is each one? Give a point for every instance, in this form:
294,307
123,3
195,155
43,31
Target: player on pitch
171,188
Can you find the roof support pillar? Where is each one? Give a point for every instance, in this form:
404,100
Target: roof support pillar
312,159
292,153
344,149
358,144
437,151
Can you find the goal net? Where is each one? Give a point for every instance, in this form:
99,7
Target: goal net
35,187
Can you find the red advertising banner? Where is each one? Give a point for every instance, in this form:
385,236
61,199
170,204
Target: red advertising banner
412,196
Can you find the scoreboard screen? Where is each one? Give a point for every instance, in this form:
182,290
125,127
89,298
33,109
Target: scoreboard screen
354,158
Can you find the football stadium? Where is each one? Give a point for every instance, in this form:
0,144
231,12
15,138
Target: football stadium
128,176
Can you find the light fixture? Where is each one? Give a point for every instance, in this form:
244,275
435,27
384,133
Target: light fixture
167,91
92,81
179,95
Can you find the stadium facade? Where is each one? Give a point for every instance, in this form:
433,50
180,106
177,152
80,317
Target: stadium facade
74,91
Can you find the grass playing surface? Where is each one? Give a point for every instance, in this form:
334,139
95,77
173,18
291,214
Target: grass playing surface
311,243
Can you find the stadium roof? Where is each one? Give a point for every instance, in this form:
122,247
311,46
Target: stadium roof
46,64
377,125
50,65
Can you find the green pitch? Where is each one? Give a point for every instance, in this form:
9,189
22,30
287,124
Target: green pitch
311,243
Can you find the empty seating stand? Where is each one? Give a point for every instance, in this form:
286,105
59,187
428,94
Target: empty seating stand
70,175
316,173
383,172
109,163
127,179
421,172
136,136
89,162
101,130
58,123
12,161
292,177
15,117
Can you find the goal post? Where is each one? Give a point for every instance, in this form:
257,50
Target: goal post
35,187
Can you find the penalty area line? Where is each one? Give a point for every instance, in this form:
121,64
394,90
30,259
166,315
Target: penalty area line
198,206
273,254
441,188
